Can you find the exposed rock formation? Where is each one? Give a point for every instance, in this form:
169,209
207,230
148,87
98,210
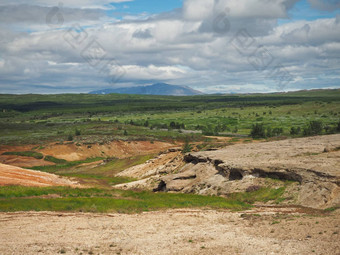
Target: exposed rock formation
315,171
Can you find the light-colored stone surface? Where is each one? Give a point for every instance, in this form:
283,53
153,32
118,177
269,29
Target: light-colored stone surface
315,170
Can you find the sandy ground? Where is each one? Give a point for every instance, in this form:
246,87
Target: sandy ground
261,231
11,175
118,149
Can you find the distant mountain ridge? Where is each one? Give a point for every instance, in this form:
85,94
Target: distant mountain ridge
160,89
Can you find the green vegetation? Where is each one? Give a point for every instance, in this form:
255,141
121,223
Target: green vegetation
63,164
15,198
28,119
32,154
55,160
332,209
313,128
100,119
186,147
260,195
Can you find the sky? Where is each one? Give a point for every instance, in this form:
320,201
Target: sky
215,46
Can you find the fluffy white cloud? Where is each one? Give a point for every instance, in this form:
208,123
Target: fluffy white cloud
183,47
203,9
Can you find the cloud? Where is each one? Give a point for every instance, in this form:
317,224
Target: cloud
28,14
325,5
104,4
265,9
180,47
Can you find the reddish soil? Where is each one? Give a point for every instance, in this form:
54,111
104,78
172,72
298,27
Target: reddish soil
118,149
19,161
72,152
11,175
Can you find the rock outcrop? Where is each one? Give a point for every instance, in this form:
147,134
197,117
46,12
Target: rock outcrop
313,170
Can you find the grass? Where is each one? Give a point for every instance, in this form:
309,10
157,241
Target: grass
65,165
32,154
108,180
55,160
15,198
116,165
28,119
261,195
332,209
22,191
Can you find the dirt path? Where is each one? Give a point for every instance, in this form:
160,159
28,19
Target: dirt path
262,231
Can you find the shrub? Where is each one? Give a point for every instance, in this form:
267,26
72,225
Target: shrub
258,131
70,138
55,160
313,128
277,131
77,132
187,146
295,131
32,154
269,132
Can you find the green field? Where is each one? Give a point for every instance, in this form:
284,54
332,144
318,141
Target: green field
26,119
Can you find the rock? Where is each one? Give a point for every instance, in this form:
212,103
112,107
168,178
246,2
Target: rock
239,167
314,176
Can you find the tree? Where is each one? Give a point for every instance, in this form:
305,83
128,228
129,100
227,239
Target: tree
314,127
258,131
269,132
125,133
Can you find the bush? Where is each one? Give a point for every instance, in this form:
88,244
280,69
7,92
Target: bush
77,132
70,138
55,160
209,130
313,128
258,131
32,154
187,146
277,131
295,131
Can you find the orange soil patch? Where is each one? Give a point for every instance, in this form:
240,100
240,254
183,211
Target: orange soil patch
6,148
11,175
118,149
20,161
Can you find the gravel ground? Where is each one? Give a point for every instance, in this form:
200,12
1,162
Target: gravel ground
260,231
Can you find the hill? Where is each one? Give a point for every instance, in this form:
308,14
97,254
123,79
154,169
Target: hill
160,89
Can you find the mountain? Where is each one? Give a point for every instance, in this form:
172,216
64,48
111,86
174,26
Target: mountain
160,89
